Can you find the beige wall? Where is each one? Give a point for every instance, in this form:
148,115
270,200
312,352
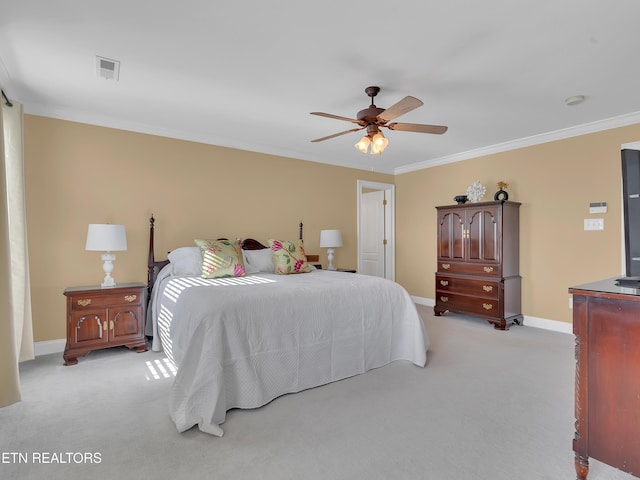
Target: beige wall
78,174
555,182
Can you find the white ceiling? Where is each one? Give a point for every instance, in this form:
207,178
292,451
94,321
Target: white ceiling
246,74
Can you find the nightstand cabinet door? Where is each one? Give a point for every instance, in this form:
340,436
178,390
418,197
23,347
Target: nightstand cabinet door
125,323
104,317
89,328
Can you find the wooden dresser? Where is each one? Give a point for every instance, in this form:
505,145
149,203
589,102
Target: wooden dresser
478,261
104,317
606,324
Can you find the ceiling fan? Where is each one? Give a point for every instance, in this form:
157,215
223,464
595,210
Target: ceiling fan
372,118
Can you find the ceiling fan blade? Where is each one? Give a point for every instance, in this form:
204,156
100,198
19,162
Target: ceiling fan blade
403,106
337,117
336,134
417,127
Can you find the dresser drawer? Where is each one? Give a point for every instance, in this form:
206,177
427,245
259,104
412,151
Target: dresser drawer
486,307
468,268
487,288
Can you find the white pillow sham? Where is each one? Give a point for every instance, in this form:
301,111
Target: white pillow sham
185,261
256,261
188,261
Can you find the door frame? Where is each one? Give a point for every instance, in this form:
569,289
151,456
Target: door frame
390,224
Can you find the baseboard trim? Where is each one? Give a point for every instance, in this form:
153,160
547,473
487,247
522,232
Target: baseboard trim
423,301
529,321
49,346
545,323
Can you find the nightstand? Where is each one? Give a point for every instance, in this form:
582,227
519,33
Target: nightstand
104,317
348,270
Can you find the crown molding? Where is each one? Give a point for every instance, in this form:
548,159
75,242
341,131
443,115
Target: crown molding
600,125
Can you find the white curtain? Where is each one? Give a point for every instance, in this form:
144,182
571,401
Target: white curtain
16,330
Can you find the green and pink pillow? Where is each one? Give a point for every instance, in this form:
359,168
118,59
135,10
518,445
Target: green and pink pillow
221,258
289,257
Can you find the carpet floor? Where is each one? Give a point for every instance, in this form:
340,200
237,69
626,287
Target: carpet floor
489,405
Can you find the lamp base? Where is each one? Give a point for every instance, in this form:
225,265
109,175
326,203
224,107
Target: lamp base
330,258
107,266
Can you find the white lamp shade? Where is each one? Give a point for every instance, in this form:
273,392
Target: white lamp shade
330,238
106,237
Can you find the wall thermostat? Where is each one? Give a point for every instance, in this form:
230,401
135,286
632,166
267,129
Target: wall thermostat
598,207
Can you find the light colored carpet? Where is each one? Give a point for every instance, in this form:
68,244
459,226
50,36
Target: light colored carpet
489,405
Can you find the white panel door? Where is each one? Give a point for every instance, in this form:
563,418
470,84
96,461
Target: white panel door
372,232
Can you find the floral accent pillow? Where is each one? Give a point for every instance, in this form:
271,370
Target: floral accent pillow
289,257
221,258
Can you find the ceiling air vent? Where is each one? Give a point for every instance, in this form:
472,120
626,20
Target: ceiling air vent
107,68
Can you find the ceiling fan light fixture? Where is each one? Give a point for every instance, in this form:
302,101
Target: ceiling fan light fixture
372,143
380,141
363,144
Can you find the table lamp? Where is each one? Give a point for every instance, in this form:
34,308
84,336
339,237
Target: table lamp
330,239
106,238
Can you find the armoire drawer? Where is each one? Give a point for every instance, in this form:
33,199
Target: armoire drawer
487,288
467,268
486,307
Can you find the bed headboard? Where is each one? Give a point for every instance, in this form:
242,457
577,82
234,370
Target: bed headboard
154,266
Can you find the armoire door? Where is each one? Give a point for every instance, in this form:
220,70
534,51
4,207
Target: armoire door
483,234
451,235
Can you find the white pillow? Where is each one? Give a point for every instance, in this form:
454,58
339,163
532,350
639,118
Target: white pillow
256,261
185,261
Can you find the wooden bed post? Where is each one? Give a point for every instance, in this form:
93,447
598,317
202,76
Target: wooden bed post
151,259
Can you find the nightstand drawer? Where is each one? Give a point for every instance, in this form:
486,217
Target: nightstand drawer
87,300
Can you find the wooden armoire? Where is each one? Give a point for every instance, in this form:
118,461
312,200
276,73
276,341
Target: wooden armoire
478,262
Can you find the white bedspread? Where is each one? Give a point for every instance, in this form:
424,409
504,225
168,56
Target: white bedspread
241,342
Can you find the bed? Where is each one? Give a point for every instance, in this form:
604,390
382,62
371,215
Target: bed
242,341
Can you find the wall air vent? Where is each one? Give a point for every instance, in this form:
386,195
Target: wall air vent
107,68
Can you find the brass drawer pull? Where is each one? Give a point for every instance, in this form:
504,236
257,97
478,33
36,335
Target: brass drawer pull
84,302
444,283
488,269
487,288
446,266
130,298
104,325
444,299
110,324
487,306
